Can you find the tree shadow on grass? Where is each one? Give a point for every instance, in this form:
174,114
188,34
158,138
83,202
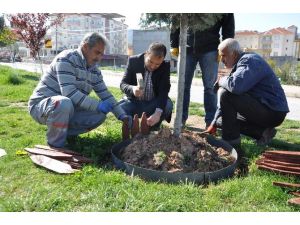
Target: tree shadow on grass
96,147
30,77
283,145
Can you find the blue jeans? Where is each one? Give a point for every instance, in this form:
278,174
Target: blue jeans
209,67
132,107
62,119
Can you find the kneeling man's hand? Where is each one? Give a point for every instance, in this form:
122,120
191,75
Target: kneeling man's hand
105,106
124,117
154,118
138,92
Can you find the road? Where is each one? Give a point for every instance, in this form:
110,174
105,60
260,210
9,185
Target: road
112,79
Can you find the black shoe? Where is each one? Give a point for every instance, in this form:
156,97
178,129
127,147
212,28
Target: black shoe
242,166
267,136
236,143
71,140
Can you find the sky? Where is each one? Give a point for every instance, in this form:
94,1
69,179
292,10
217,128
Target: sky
260,15
243,21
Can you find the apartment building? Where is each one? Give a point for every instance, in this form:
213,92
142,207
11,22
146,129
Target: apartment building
70,32
275,42
139,41
282,43
248,39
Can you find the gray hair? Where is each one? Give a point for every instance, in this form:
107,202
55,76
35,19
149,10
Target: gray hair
231,45
93,38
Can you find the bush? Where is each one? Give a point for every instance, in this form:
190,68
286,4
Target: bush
289,72
14,79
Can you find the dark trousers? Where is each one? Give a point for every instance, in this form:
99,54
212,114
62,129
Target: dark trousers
132,107
243,114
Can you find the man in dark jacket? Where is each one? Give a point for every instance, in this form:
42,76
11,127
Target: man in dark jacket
152,95
253,102
202,48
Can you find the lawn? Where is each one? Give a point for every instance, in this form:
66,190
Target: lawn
100,187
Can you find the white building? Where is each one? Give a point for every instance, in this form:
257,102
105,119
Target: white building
248,39
275,42
70,32
282,41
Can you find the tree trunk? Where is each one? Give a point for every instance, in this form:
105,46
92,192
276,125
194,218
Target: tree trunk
181,74
41,63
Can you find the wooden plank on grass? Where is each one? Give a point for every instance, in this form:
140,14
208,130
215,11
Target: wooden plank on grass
294,201
52,154
285,184
278,170
52,164
284,153
63,150
264,160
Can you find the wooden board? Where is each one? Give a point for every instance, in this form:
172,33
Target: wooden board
52,164
52,154
63,150
278,170
285,184
294,201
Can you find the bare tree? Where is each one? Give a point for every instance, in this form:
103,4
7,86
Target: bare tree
196,21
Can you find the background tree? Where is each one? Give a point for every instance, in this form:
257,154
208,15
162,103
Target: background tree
7,37
195,21
32,28
1,22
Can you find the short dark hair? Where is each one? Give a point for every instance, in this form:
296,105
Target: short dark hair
157,49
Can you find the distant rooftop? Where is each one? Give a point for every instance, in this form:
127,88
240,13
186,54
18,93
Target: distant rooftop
105,15
278,30
246,32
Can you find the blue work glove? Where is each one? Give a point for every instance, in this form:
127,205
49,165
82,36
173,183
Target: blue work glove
123,117
105,106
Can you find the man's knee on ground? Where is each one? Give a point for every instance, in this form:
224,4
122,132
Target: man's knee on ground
168,110
169,107
225,96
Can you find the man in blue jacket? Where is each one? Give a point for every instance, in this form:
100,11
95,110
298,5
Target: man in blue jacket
253,102
151,97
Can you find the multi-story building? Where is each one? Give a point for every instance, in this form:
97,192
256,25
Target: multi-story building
70,32
282,41
139,41
275,42
248,39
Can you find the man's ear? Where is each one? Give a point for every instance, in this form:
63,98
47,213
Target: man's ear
235,56
85,47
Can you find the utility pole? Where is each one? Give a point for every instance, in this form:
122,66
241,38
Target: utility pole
56,39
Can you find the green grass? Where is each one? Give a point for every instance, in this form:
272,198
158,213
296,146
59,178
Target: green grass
111,68
100,187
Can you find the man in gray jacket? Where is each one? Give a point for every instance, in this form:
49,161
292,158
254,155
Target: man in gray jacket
61,100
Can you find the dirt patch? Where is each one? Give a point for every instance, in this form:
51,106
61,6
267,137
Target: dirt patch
293,130
193,122
18,104
163,151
